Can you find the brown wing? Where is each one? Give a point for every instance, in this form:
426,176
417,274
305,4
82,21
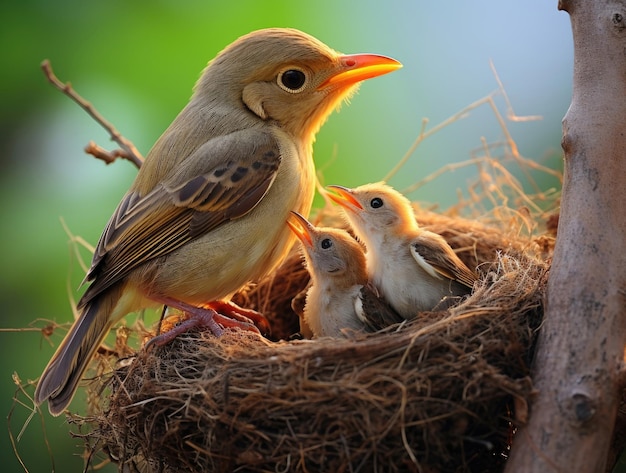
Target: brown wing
434,255
299,300
223,180
376,314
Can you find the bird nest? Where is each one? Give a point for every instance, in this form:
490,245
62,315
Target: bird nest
441,393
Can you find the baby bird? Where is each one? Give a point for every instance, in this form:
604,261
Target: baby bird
413,269
339,296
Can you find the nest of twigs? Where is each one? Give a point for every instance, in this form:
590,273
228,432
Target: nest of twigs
441,393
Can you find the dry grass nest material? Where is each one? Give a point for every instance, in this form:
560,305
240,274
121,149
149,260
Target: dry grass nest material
441,393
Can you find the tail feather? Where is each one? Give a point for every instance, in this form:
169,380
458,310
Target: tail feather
60,378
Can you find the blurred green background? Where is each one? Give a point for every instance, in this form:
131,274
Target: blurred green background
137,62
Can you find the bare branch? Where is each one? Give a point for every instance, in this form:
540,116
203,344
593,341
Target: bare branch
109,156
128,150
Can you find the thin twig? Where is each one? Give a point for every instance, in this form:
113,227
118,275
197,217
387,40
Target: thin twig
108,156
510,113
425,134
128,150
15,439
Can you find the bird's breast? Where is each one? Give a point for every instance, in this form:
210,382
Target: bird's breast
328,310
242,250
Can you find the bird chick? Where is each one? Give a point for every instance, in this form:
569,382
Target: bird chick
205,214
414,269
339,297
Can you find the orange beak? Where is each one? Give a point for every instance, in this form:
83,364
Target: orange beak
345,198
358,67
301,227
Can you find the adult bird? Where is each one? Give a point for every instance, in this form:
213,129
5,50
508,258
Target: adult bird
414,269
340,297
205,214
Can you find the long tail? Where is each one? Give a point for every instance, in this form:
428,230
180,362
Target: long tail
60,379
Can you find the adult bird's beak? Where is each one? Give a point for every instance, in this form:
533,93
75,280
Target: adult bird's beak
301,227
345,198
358,67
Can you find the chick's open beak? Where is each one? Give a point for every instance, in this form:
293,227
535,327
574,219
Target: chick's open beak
359,67
301,227
345,198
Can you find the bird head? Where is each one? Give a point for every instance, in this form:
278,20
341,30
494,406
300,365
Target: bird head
330,252
375,211
289,77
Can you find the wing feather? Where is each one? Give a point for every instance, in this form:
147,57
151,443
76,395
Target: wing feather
435,256
223,180
375,312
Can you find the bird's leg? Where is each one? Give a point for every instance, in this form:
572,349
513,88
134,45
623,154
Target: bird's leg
197,317
161,319
230,309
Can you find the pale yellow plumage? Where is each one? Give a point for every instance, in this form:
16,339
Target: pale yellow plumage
414,269
339,298
206,212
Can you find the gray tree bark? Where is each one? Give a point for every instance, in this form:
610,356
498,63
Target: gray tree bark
580,354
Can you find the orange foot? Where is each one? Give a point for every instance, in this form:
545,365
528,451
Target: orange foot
249,316
207,317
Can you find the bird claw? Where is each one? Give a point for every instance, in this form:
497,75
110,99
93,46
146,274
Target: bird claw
209,318
203,318
248,316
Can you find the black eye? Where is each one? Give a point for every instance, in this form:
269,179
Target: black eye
326,243
376,203
292,80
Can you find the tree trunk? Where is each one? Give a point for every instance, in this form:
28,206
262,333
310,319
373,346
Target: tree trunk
581,345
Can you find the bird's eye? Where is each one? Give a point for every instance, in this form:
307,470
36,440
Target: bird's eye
292,80
376,203
326,243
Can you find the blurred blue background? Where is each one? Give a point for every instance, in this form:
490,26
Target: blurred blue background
137,62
